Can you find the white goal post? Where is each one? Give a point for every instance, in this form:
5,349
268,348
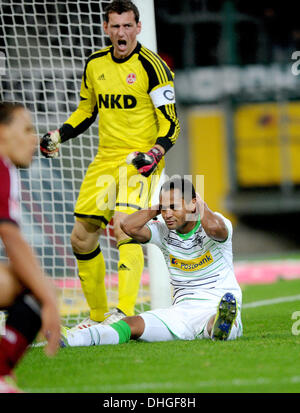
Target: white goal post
160,290
44,45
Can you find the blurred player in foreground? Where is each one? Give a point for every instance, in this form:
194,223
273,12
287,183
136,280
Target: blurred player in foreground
25,293
197,246
132,90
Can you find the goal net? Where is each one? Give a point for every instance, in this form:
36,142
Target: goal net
44,44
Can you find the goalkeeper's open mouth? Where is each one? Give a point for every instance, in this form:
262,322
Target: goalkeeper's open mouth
122,45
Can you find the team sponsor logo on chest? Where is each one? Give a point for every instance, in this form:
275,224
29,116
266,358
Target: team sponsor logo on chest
192,265
116,101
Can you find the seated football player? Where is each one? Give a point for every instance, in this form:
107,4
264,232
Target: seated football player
197,245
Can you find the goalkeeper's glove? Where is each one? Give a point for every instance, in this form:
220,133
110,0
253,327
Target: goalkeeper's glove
145,163
50,143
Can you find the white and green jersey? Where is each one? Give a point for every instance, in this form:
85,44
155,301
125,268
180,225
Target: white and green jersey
198,264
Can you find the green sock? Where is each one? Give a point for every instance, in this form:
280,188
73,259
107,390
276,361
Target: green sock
123,329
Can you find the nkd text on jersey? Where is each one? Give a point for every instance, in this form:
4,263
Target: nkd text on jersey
116,101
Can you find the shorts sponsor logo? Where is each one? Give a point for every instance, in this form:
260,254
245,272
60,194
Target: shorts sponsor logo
192,265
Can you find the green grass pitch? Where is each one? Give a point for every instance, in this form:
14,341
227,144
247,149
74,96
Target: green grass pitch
265,359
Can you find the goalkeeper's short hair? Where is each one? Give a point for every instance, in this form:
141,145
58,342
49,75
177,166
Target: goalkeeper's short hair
121,6
184,185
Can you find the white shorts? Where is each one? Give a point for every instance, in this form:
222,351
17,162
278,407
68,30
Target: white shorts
186,320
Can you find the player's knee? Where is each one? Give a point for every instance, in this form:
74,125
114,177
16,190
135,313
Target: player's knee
10,287
76,243
137,326
81,243
84,237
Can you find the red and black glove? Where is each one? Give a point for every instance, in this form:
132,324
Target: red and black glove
50,143
145,163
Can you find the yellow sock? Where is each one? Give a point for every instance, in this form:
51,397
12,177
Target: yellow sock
91,271
131,264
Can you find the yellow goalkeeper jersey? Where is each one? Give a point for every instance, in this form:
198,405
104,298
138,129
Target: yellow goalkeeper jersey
135,99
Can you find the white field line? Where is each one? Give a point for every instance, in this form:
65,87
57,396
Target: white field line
168,386
271,301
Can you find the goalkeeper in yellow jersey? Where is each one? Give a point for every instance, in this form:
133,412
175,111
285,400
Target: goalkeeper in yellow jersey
132,90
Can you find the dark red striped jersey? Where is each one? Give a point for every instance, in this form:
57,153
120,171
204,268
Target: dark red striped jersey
9,192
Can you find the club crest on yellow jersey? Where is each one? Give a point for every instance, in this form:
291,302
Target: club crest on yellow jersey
131,78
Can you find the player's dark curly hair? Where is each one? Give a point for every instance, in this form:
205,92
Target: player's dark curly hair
121,6
6,111
184,185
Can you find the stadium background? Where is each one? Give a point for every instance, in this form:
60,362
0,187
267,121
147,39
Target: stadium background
238,102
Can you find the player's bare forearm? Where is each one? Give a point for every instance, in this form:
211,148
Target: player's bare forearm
161,148
24,264
212,224
134,225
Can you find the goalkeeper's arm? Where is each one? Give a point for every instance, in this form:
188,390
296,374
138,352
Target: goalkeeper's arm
146,162
51,141
78,122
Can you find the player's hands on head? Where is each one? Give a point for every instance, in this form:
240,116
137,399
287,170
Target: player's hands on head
145,162
50,143
156,208
199,205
